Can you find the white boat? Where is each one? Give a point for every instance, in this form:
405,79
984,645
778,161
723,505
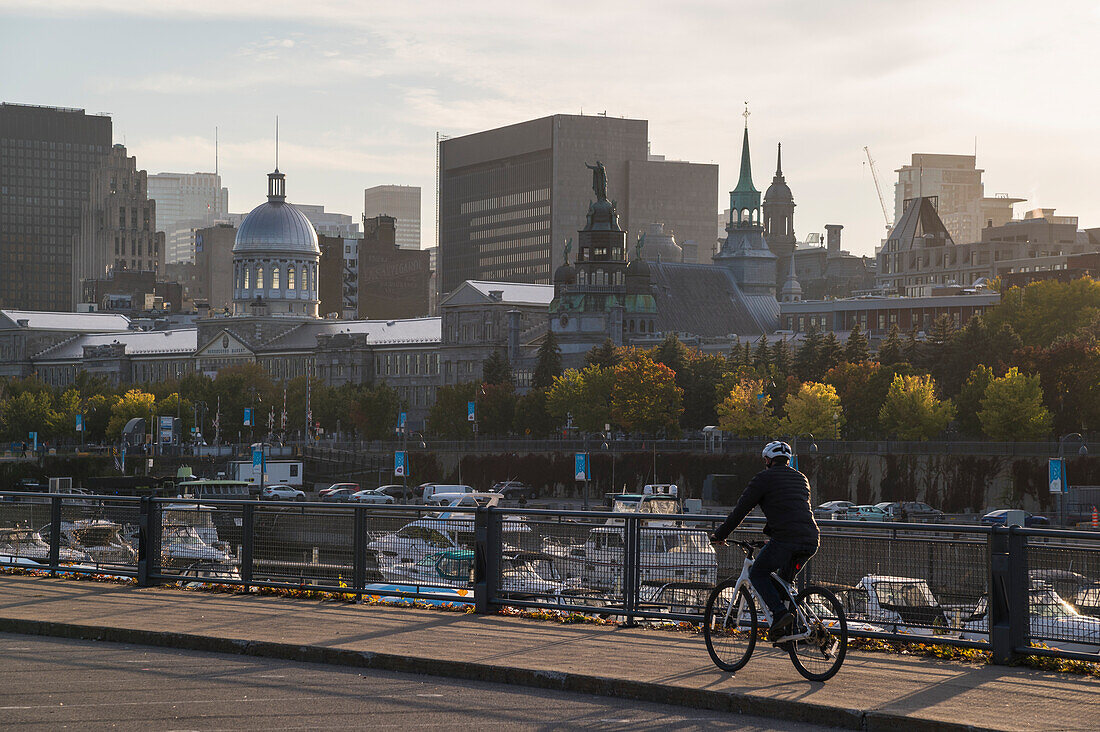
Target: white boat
101,540
1053,622
447,530
181,545
29,544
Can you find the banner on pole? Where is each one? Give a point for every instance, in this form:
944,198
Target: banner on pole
582,468
400,464
1056,475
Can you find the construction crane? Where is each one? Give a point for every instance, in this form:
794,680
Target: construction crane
878,188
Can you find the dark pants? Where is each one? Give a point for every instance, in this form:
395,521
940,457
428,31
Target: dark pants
779,558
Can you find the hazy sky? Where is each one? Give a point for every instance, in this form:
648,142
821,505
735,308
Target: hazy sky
362,87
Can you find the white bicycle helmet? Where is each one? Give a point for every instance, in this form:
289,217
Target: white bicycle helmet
777,449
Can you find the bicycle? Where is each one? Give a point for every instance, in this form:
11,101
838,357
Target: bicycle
817,643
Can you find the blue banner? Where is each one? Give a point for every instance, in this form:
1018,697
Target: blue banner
248,419
80,423
471,412
1056,475
581,470
402,419
400,464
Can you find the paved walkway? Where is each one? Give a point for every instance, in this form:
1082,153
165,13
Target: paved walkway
872,691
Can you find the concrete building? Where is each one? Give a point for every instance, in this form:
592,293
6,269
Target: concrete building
509,198
400,202
208,280
877,315
920,254
956,182
118,224
47,157
133,293
186,202
24,334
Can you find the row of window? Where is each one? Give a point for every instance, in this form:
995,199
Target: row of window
249,277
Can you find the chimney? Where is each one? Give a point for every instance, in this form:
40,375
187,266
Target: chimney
833,238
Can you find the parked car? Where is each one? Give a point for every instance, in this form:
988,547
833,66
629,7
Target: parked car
282,493
432,488
832,509
400,493
864,513
514,490
337,487
998,518
373,495
911,511
339,495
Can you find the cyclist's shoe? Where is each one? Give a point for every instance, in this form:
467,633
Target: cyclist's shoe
782,626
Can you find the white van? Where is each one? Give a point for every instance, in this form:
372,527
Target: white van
464,500
436,488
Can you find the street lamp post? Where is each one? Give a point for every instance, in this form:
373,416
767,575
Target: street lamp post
611,454
812,449
1083,450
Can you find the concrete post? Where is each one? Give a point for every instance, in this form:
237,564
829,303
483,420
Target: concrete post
1008,611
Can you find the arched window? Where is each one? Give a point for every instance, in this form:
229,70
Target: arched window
259,277
304,284
275,277
290,277
246,269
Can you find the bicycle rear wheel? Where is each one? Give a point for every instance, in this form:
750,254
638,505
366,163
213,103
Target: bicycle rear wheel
729,626
819,656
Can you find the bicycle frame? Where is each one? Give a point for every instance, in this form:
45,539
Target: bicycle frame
743,581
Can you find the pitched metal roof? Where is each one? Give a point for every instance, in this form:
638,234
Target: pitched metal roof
77,322
413,331
520,293
704,300
137,343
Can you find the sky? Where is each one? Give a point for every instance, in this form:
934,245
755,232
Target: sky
362,87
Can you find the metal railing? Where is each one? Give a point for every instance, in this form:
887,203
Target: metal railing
994,588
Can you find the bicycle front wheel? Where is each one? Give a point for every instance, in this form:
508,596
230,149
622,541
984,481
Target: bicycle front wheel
729,626
819,655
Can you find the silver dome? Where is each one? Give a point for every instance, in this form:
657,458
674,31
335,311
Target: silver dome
276,226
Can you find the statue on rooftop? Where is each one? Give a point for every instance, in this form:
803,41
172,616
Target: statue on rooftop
599,180
568,248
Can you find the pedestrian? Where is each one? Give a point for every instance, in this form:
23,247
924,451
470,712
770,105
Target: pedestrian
23,445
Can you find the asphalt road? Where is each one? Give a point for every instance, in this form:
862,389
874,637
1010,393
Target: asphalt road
52,683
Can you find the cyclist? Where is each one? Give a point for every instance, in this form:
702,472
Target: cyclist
783,494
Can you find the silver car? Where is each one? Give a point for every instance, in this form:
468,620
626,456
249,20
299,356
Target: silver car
373,495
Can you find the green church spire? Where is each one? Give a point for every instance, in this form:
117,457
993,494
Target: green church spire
744,198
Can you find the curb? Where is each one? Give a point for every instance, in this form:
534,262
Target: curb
722,701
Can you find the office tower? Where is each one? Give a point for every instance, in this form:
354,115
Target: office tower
47,157
511,197
118,225
400,202
955,182
186,202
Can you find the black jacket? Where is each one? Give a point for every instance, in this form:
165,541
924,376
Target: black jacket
783,494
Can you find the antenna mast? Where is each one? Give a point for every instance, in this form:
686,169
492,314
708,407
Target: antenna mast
276,142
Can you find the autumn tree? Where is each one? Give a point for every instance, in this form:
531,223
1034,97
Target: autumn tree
815,409
1012,408
912,411
746,410
134,403
645,397
548,363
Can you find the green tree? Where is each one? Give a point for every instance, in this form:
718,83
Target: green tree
746,410
374,411
645,397
701,380
1067,372
496,369
496,409
532,418
97,415
88,385
830,354
548,364
856,348
890,352
815,409
66,406
134,403
672,353
447,417
859,400
604,356
1012,408
807,360
584,396
761,357
172,406
1047,310
969,401
782,359
912,411
26,412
